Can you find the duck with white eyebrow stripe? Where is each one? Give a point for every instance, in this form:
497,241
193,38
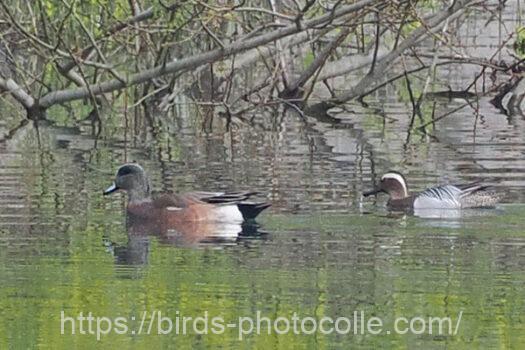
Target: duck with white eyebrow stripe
471,195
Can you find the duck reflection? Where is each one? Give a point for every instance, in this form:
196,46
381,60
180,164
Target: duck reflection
193,235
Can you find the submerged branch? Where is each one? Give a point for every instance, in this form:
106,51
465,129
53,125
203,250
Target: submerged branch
433,24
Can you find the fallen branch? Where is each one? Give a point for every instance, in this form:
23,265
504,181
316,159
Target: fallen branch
433,24
17,92
294,86
189,63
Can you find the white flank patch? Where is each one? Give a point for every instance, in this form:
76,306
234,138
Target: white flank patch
398,178
229,213
441,197
423,202
173,208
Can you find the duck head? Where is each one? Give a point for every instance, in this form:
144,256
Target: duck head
131,178
393,183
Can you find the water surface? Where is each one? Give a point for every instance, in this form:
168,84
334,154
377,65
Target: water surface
320,251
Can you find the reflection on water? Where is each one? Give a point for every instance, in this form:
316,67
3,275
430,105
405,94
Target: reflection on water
136,249
193,234
321,250
451,215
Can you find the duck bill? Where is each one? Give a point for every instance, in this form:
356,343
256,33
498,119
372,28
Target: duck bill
110,189
372,192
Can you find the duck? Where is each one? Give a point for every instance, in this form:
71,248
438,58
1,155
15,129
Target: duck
463,196
189,212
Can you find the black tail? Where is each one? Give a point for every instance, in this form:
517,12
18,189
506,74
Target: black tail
250,211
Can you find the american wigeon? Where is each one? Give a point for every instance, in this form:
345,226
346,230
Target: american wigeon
472,195
182,210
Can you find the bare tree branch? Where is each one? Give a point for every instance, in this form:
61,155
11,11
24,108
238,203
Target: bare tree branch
188,63
17,92
382,64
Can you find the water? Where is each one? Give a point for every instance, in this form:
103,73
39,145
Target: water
321,250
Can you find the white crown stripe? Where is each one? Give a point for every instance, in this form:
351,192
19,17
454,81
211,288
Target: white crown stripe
399,178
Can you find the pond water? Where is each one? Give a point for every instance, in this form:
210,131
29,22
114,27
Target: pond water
321,250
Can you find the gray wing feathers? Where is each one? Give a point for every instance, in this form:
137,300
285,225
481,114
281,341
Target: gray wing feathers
472,195
447,196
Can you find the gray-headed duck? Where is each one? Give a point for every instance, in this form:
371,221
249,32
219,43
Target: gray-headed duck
182,209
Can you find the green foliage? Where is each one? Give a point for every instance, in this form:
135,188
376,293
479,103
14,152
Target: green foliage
410,26
519,43
308,59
